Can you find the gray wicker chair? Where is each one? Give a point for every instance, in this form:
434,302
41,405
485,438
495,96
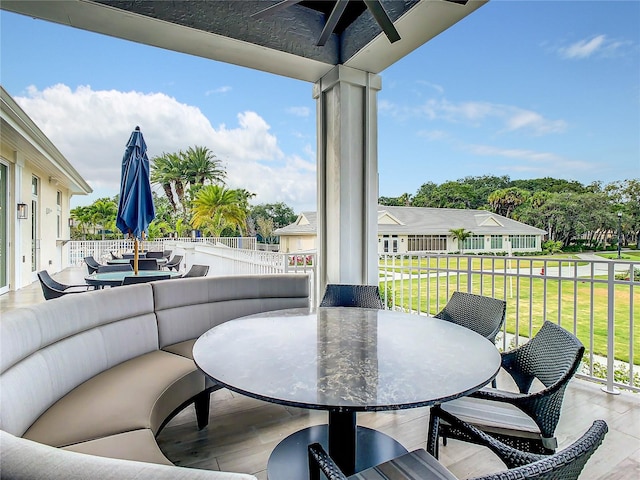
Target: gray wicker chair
174,263
364,296
483,315
92,264
52,289
115,268
132,279
197,271
155,255
419,465
145,264
525,420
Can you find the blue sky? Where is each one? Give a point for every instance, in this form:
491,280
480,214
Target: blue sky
524,89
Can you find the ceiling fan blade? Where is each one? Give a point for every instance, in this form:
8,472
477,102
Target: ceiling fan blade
332,21
380,15
274,8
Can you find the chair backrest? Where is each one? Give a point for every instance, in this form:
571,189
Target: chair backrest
562,465
167,254
364,296
483,315
145,263
115,268
174,262
113,256
155,255
50,288
132,279
197,271
128,255
92,264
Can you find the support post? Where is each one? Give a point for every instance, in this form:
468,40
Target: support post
346,101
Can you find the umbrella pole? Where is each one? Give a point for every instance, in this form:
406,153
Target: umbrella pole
135,256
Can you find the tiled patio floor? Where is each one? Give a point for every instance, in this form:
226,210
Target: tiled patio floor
243,431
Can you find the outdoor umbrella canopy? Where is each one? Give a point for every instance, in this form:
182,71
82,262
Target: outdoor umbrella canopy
135,208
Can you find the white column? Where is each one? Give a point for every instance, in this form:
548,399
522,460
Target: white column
347,173
18,265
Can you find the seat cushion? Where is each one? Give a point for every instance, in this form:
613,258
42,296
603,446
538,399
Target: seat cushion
137,445
137,394
185,349
497,417
18,454
416,465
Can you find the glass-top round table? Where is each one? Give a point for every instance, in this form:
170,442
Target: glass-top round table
344,360
114,279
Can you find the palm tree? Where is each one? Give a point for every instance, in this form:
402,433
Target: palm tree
216,208
103,213
460,234
161,174
202,165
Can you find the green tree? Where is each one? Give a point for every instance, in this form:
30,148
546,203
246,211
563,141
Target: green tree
216,208
506,200
460,234
103,213
201,166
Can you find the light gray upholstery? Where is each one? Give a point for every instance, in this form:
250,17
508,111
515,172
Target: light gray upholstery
86,372
188,308
26,460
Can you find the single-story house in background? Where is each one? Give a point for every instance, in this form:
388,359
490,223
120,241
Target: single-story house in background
36,185
417,229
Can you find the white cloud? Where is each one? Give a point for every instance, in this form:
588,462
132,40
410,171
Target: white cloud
598,45
91,128
524,160
480,114
299,111
223,89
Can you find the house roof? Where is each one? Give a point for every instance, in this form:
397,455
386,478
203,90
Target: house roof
20,133
425,221
296,38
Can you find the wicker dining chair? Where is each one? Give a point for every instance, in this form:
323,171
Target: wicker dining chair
483,315
132,279
145,264
527,419
92,264
364,296
155,255
52,289
174,263
115,268
197,271
420,465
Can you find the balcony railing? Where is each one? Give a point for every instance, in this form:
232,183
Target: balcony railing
596,300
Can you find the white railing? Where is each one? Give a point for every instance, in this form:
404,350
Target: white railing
100,249
599,301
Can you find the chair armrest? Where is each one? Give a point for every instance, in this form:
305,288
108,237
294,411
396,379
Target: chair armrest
510,456
319,459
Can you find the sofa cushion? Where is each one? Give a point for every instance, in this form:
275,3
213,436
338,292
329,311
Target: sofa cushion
65,342
188,308
17,462
137,445
185,349
137,394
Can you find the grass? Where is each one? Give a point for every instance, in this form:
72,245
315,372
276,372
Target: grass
634,255
579,306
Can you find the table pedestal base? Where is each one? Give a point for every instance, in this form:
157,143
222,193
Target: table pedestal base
289,460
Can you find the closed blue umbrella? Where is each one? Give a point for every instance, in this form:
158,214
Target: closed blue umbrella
135,209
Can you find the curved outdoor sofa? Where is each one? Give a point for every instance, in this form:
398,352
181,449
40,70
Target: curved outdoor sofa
98,374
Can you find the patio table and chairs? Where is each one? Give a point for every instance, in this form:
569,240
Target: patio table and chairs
135,279
114,278
363,296
92,264
344,361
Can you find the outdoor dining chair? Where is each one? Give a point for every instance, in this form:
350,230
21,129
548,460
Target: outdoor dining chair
197,271
174,263
113,256
364,296
526,420
483,315
145,264
132,279
52,289
419,465
155,255
167,254
92,264
115,268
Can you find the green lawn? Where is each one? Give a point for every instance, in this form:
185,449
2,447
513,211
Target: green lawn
525,298
633,255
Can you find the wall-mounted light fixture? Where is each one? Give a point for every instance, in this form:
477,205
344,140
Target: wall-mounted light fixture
71,222
23,211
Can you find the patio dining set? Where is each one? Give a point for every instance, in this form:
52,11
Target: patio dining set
351,355
119,271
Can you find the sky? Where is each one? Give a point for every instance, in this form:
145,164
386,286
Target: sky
517,88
